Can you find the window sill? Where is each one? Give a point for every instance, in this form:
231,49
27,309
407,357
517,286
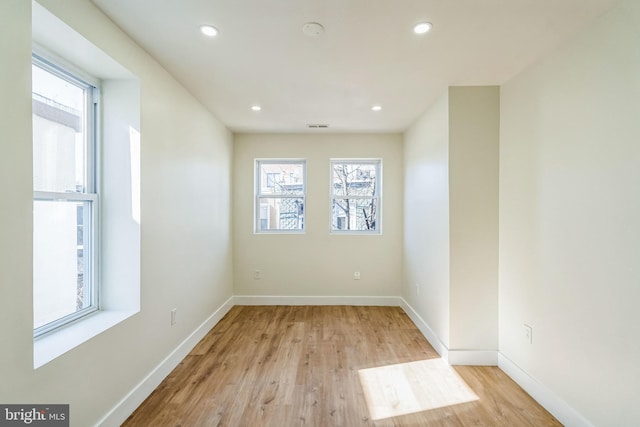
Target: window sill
355,233
279,232
56,343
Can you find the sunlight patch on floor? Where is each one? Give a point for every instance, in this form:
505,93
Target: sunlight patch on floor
407,388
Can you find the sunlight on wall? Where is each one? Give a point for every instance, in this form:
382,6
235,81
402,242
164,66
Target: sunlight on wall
134,150
412,387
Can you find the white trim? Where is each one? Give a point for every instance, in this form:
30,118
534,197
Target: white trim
60,69
135,397
560,409
52,60
544,396
473,357
258,195
63,197
377,162
453,357
426,330
385,301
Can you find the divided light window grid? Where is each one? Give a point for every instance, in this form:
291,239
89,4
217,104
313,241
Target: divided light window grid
65,197
356,196
280,196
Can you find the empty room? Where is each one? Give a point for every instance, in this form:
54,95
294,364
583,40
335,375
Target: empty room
319,213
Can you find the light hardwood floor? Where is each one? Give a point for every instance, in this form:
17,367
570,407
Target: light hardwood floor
286,366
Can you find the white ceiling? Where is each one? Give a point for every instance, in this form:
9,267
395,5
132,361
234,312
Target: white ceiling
367,55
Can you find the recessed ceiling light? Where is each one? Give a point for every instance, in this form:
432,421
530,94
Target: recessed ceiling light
256,107
208,30
376,107
422,27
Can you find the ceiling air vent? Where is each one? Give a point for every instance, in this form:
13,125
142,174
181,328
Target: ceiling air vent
317,126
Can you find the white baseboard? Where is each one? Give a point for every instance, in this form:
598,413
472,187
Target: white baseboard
545,397
552,403
473,357
426,330
453,357
135,397
316,300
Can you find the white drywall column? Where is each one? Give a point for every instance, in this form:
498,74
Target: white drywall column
473,202
451,222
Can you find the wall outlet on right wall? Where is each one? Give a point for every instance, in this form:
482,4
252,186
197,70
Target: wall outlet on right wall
528,333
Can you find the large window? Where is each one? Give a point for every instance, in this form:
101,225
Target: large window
280,196
355,196
65,198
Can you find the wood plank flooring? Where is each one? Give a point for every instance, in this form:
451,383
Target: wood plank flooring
287,366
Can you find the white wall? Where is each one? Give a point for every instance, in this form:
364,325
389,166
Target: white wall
451,220
569,220
569,231
16,206
474,125
316,263
185,204
426,217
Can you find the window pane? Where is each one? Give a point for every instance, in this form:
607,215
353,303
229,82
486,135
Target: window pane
58,133
282,179
285,213
354,214
354,179
60,285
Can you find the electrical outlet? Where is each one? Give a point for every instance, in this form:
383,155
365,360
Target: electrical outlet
174,312
528,333
256,275
356,275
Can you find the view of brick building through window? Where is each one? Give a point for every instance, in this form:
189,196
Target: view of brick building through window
281,196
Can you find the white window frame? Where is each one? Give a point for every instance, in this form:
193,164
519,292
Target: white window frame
259,196
60,68
377,162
